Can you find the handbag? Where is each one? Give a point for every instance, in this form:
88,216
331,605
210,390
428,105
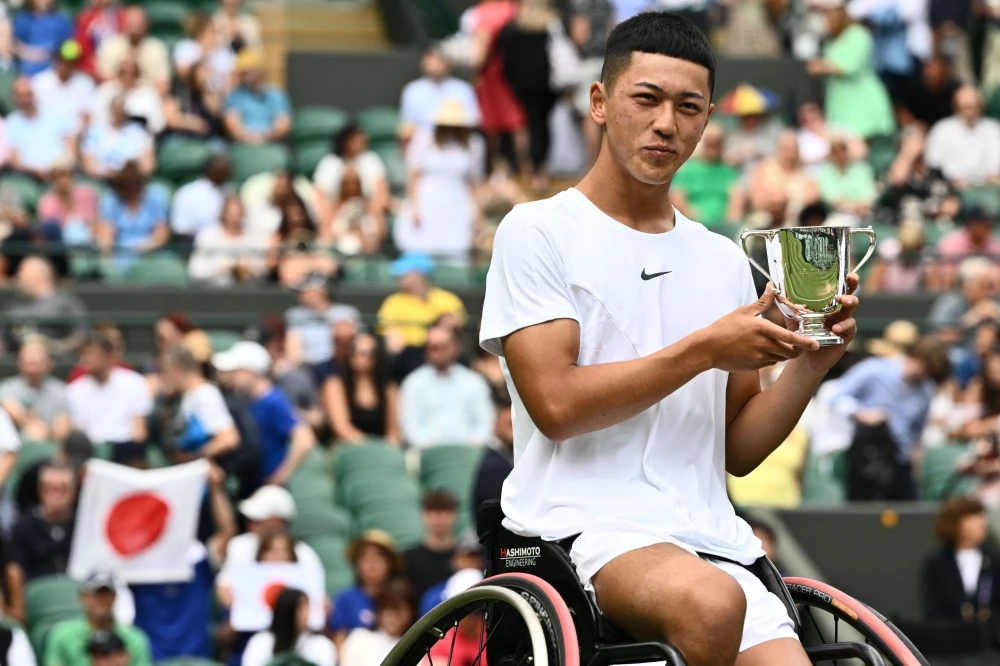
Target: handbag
564,60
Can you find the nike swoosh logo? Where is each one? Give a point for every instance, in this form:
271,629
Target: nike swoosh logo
650,276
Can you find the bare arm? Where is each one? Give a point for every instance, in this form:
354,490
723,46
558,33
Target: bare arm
293,347
335,400
392,414
280,128
303,441
222,512
222,443
139,432
14,576
7,460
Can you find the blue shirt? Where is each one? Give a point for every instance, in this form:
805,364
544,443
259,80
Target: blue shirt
258,110
276,420
432,597
112,147
133,227
43,31
176,616
422,98
40,141
352,609
878,383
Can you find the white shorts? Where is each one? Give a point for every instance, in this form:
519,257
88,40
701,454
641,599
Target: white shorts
766,618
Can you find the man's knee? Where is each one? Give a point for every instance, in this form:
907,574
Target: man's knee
715,607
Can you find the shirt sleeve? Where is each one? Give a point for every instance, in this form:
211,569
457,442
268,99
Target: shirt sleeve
20,652
281,105
138,647
212,411
851,388
9,439
526,284
329,172
142,400
284,418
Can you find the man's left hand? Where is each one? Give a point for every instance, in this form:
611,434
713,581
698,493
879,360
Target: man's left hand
842,323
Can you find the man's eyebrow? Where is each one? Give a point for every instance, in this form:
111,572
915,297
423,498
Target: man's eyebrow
658,89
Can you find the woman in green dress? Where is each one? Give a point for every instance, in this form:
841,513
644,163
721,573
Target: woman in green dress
856,100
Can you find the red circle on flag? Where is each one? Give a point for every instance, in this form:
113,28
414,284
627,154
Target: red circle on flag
271,592
136,522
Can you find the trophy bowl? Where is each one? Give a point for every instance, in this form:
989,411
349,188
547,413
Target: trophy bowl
808,267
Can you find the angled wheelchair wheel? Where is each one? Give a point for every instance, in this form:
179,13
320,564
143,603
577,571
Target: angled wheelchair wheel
506,620
834,624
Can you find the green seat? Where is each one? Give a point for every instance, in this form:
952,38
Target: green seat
823,480
993,104
368,271
50,599
320,520
188,661
938,472
162,268
331,549
156,458
182,160
7,78
309,489
29,454
392,486
395,167
307,157
317,123
985,196
165,15
406,528
380,123
437,458
882,150
348,458
250,160
28,191
458,276
339,579
222,340
170,38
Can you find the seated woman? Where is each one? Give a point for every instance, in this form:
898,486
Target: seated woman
915,188
228,252
350,149
193,109
143,102
847,185
900,265
352,226
290,633
779,186
106,148
72,206
133,216
297,247
376,562
203,46
394,615
361,402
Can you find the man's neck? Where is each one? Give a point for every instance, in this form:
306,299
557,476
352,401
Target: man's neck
618,195
34,382
260,388
96,624
54,517
439,544
445,370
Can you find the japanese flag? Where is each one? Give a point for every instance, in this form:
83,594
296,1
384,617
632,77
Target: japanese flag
256,586
138,524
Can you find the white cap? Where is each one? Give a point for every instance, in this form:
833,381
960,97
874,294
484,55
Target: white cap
269,502
244,355
460,581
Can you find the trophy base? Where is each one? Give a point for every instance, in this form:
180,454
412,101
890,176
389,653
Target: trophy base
815,330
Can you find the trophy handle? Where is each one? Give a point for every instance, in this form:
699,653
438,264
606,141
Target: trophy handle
868,231
749,233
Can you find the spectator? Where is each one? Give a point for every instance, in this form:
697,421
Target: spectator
590,21
143,101
106,148
110,404
114,335
899,266
198,205
394,615
351,153
888,399
902,39
134,41
293,380
929,99
10,443
443,402
466,570
96,22
206,428
237,29
856,101
106,648
497,462
444,167
34,399
63,88
846,185
966,146
290,634
308,326
913,188
18,651
298,249
779,186
488,365
133,216
39,30
360,401
177,616
755,138
420,99
228,252
975,414
44,309
960,577
69,643
376,562
429,563
71,205
38,141
706,189
255,112
285,440
353,227
974,239
193,109
204,47
40,540
267,195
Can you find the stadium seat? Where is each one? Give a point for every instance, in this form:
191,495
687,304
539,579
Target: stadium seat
311,490
29,454
50,599
7,78
27,190
332,550
307,157
434,459
379,122
938,474
458,276
822,480
182,160
985,196
170,38
188,661
222,340
405,527
311,124
358,493
250,160
160,269
318,520
882,150
166,15
349,458
395,166
368,271
993,104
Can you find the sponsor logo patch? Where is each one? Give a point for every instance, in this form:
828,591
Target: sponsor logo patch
516,558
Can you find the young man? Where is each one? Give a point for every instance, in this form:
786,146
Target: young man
632,339
430,562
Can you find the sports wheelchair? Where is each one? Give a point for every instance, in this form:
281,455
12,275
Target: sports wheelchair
531,610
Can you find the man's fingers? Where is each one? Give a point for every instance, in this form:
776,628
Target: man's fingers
786,351
762,304
790,338
846,327
852,282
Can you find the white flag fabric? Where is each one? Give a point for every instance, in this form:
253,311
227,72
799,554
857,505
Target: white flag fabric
256,586
138,524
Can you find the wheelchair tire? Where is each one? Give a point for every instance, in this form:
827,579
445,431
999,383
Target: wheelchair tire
414,648
879,632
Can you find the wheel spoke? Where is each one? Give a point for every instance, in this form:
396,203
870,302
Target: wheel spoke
430,659
454,637
812,618
482,647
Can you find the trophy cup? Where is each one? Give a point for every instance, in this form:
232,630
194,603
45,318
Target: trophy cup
808,267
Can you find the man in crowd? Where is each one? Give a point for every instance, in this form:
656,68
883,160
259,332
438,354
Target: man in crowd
64,89
37,140
10,443
955,315
465,569
69,642
974,238
309,326
106,648
930,99
198,205
34,399
966,146
888,399
590,22
498,460
256,112
706,188
430,563
134,40
110,404
443,402
421,98
294,381
44,309
285,440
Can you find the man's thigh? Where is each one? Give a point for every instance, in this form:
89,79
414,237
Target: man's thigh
784,651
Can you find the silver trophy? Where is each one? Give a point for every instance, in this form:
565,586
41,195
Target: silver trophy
809,267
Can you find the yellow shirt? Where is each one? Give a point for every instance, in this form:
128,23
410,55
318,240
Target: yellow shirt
776,482
410,317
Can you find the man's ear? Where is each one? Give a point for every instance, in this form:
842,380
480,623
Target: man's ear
598,100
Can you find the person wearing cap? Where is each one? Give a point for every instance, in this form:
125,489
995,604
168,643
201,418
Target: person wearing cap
966,145
395,613
39,29
309,326
285,439
974,238
68,643
63,88
376,562
134,41
106,648
256,112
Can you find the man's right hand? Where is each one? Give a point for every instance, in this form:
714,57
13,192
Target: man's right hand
742,341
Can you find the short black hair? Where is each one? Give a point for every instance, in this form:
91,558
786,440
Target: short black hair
659,33
99,340
439,500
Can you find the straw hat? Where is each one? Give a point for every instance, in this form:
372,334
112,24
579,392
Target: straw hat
381,540
898,337
249,59
452,113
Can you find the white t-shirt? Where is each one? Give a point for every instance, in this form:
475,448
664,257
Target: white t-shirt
197,206
20,653
204,415
9,439
314,648
970,563
661,472
364,647
105,412
242,549
330,173
70,98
